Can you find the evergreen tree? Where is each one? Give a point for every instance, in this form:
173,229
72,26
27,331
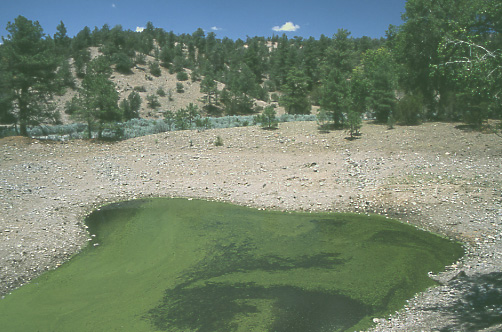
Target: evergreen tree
181,119
182,76
98,98
192,112
267,119
123,63
81,59
30,64
278,61
6,94
310,54
354,123
340,55
166,56
169,119
380,70
179,87
64,78
153,101
295,98
155,69
131,106
81,41
61,40
335,97
322,120
236,103
209,87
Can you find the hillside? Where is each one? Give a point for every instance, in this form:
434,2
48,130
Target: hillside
140,77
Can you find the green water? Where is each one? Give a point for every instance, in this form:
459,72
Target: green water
181,265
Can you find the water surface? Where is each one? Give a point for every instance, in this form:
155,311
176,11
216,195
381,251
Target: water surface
191,265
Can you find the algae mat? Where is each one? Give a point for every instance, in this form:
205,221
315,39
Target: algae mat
192,265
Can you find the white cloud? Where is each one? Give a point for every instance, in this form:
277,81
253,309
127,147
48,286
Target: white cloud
216,29
114,5
140,29
288,26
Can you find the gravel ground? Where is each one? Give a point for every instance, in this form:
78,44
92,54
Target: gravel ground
435,176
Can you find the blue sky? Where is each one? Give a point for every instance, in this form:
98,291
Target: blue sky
233,19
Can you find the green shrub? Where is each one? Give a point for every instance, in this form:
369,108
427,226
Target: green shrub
391,121
322,120
161,92
155,69
218,141
354,122
123,63
153,101
267,119
410,110
179,87
140,59
182,76
71,106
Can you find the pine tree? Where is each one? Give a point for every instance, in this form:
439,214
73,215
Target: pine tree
64,78
169,119
209,87
30,64
354,123
155,69
295,98
98,98
335,97
123,63
181,119
267,119
61,40
131,106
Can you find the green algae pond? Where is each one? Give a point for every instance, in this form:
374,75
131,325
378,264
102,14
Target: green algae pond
194,265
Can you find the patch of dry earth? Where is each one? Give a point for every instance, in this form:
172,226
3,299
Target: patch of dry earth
434,176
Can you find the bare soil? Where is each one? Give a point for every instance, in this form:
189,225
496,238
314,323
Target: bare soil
435,176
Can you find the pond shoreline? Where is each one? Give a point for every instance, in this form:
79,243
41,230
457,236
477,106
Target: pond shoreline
434,176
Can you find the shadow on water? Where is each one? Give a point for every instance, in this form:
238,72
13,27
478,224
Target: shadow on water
214,306
201,305
188,265
480,306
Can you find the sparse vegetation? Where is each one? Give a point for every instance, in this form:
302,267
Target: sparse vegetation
267,119
454,78
153,101
218,141
182,76
179,87
161,92
354,122
140,88
155,69
131,106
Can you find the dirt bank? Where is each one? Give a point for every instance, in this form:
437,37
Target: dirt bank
435,176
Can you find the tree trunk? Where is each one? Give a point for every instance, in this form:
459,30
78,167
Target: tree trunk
23,113
89,128
23,130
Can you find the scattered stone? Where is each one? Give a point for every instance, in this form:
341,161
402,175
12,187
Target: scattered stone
451,188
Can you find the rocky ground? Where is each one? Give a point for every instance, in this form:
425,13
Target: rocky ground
435,176
142,81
